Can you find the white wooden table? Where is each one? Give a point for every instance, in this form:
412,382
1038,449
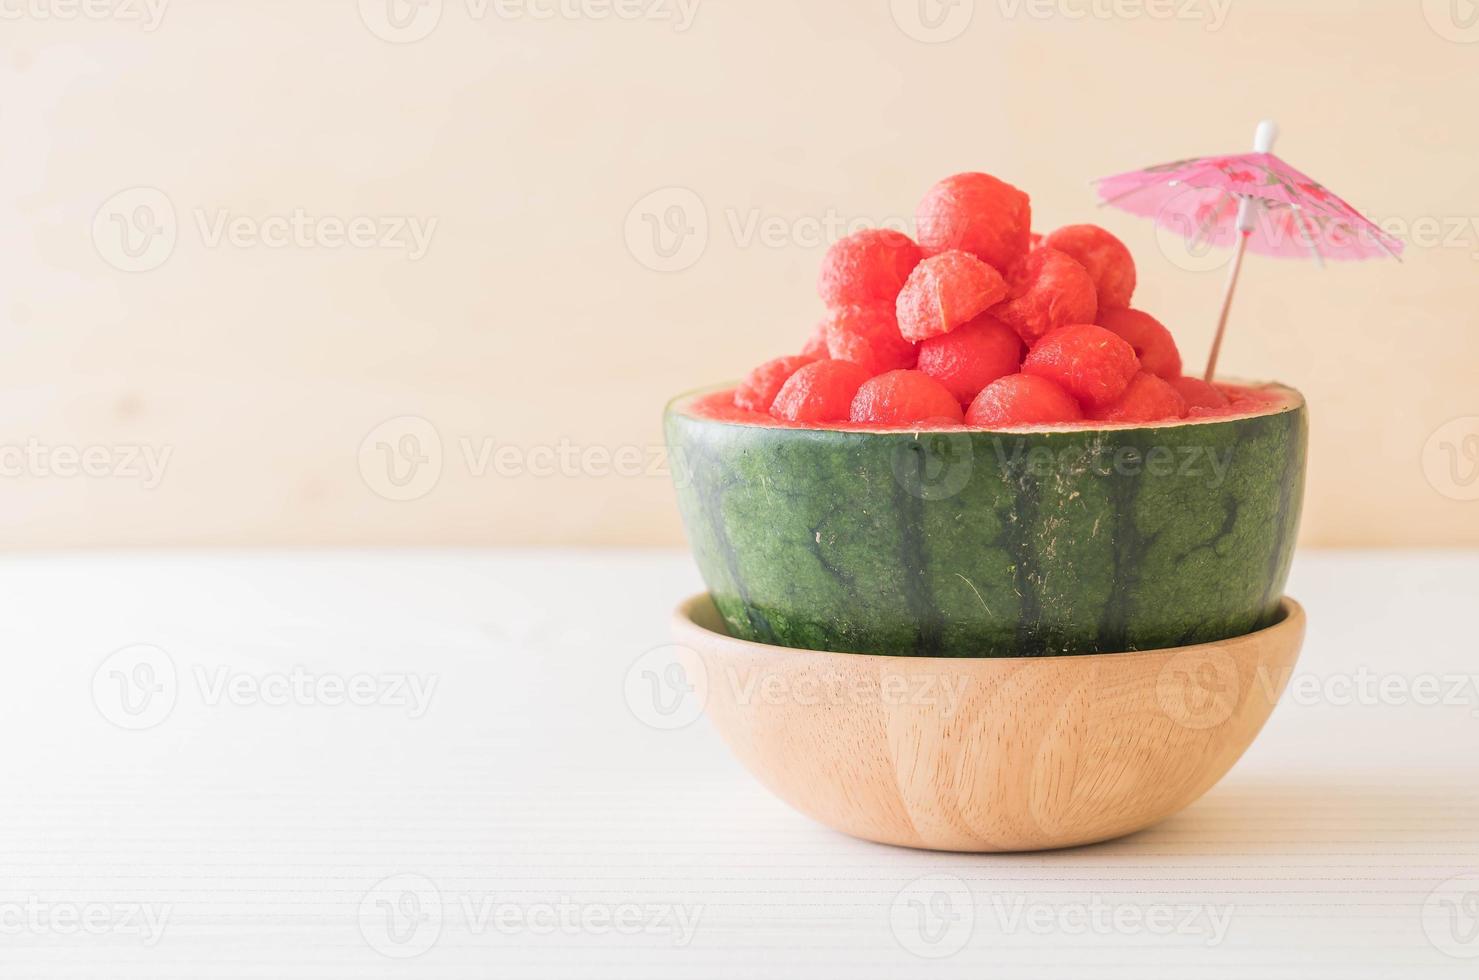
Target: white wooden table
425,764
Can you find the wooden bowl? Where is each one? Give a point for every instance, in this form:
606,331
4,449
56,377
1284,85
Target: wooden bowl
988,754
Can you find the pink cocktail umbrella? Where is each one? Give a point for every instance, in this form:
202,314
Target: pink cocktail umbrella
1249,201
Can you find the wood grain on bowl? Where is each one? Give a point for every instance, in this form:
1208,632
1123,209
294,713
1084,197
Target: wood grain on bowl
989,754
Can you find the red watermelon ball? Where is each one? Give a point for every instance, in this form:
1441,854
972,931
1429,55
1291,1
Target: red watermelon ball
868,336
1108,260
903,398
1199,394
1153,343
945,291
975,213
1092,364
870,266
821,391
1022,399
757,392
1048,290
1146,399
968,359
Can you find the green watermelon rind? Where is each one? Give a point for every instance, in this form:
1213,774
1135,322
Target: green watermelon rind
960,543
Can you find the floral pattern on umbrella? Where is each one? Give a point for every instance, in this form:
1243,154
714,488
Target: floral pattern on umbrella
1295,215
1249,202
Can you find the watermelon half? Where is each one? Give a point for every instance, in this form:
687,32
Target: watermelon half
957,542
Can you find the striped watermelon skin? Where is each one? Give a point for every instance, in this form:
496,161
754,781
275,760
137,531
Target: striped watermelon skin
963,543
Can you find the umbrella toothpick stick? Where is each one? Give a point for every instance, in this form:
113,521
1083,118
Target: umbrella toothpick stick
1263,142
1227,298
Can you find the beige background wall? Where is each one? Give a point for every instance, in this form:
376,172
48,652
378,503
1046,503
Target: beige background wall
542,148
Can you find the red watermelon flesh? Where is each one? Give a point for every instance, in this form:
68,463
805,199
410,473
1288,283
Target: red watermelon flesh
869,337
822,391
903,398
1199,394
1148,398
870,266
758,390
1022,399
1048,290
1105,256
1153,343
969,358
975,213
945,291
1090,363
